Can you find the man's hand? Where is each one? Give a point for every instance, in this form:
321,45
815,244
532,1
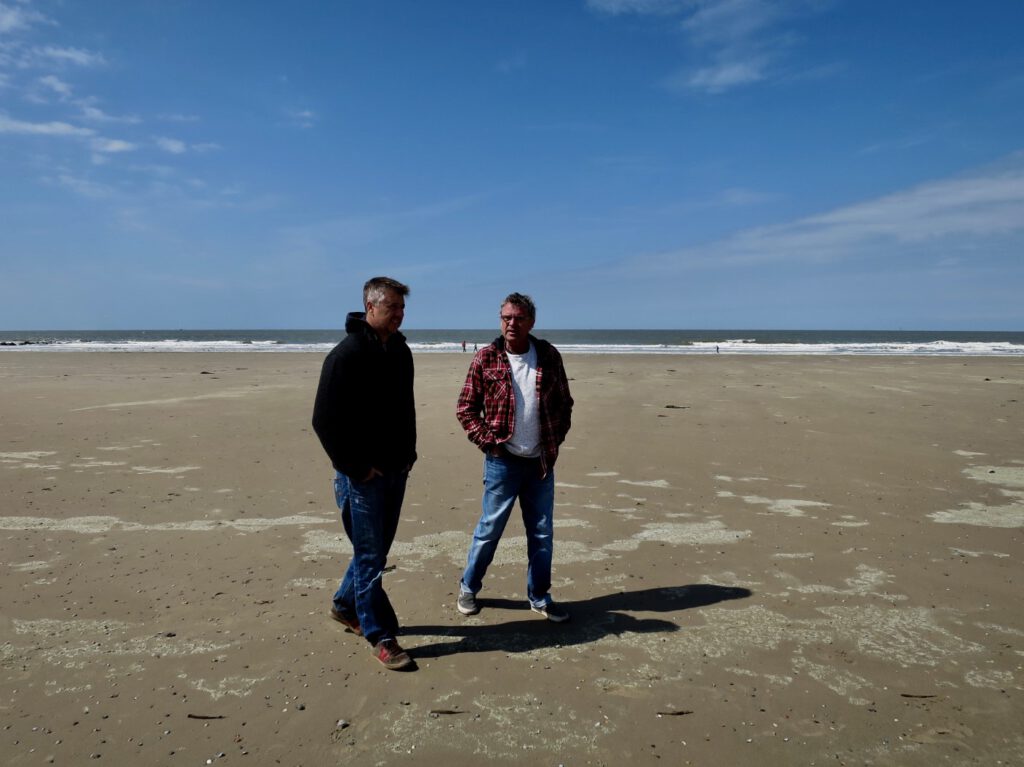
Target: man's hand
373,473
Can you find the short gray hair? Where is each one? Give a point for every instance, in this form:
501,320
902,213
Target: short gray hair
524,302
376,289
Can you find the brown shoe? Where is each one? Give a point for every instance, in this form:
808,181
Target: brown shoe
352,624
391,655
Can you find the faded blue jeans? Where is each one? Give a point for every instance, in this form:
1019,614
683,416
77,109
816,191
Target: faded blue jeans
505,479
369,512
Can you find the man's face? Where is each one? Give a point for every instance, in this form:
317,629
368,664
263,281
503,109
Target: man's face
515,326
386,317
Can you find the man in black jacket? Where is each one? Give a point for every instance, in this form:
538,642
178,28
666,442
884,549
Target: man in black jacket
365,417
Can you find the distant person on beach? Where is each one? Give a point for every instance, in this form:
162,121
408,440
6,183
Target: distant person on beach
516,407
463,346
365,417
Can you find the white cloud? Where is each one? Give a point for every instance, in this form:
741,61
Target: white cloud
740,39
55,128
177,146
742,42
83,187
77,56
112,146
95,114
172,145
986,204
13,18
618,7
721,77
725,22
302,118
56,85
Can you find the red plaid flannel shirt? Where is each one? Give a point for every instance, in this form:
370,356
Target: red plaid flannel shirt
487,403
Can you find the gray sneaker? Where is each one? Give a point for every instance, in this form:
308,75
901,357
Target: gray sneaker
467,604
553,612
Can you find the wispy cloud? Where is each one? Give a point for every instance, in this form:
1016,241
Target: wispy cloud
76,56
17,17
740,39
301,118
55,84
172,145
112,146
42,71
82,187
721,76
737,42
95,114
15,54
897,144
733,22
986,203
177,146
617,7
54,128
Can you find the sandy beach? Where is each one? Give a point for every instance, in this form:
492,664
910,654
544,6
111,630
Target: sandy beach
770,560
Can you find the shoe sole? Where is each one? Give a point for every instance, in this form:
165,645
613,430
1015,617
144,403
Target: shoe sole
354,629
466,611
546,614
396,665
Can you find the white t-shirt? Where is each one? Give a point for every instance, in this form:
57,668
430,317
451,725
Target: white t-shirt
525,439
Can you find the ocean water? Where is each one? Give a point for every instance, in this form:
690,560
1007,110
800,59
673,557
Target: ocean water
669,342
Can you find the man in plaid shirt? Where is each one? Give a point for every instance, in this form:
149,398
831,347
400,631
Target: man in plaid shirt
516,407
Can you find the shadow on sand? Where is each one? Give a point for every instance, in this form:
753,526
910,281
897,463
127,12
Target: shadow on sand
592,619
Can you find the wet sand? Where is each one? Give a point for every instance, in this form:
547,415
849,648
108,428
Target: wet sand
772,560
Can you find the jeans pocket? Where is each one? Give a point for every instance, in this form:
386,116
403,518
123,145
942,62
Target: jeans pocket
376,479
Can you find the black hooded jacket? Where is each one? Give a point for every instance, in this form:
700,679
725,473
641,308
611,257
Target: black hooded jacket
365,414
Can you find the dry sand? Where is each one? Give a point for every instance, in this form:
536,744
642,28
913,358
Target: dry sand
780,561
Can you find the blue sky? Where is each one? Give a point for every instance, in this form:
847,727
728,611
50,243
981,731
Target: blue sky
629,163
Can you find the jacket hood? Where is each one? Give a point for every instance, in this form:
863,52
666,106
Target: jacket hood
355,322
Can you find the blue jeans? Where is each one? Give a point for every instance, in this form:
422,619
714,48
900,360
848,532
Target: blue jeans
505,479
369,512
